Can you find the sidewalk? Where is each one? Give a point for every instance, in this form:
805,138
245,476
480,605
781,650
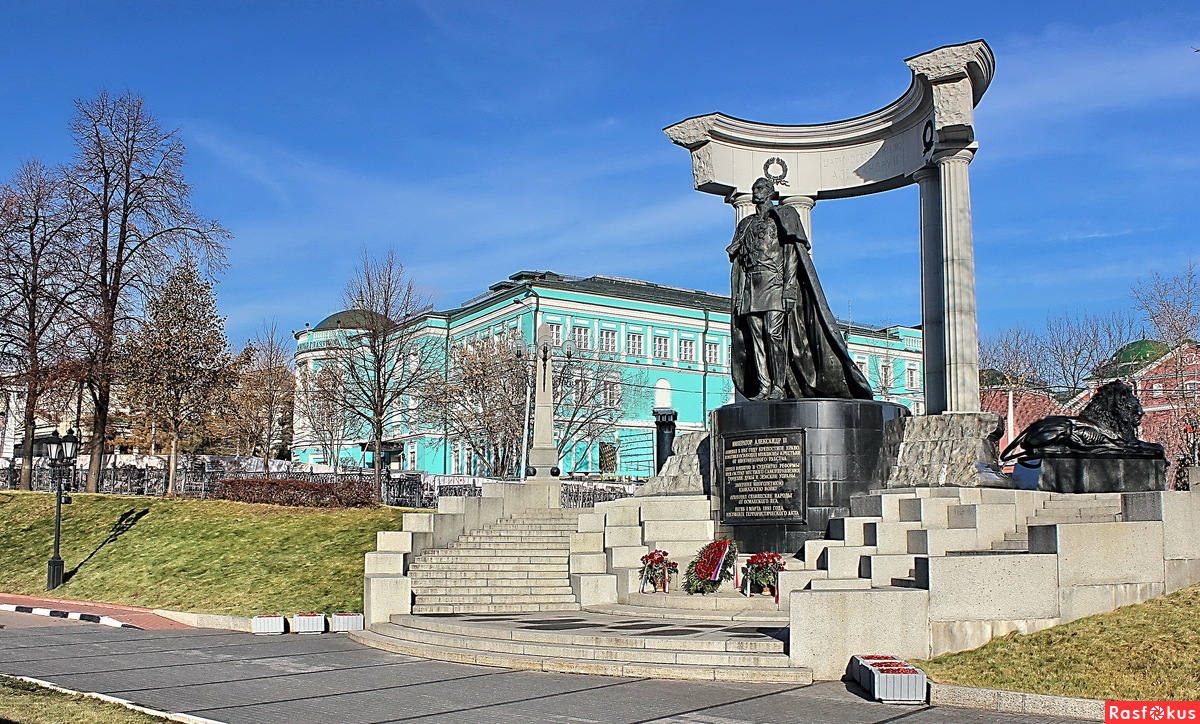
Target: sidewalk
143,618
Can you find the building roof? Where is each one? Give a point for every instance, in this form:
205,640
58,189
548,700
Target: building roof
346,319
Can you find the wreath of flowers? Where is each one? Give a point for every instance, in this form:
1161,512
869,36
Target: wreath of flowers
712,566
763,567
657,568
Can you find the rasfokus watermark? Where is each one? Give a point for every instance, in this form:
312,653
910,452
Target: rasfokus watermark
1151,711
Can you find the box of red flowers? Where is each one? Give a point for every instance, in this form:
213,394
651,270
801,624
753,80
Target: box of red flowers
889,679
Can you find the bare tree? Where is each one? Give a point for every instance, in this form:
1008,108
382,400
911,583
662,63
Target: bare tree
261,402
137,215
1171,306
591,393
39,281
482,400
321,412
1075,347
178,360
384,360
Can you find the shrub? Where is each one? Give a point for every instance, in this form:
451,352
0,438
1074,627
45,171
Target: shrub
282,491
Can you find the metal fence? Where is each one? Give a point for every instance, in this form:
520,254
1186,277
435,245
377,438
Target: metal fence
410,490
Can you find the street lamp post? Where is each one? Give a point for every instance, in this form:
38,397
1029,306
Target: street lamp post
62,451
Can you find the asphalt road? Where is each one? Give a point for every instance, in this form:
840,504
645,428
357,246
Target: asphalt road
327,679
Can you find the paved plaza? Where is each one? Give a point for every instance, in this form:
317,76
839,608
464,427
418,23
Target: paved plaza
235,678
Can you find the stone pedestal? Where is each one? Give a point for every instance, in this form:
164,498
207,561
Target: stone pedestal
813,456
958,449
1102,474
685,472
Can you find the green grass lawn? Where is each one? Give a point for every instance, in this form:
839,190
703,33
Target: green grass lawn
1150,651
205,556
27,703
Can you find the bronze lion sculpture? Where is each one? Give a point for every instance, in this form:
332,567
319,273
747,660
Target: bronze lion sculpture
1107,426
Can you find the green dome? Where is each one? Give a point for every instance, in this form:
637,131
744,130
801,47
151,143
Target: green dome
1143,350
347,319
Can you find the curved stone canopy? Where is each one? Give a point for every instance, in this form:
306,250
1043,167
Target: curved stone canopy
872,152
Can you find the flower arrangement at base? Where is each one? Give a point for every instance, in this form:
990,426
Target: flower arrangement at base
657,569
713,565
762,571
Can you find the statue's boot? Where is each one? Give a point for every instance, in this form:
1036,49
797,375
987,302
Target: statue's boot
778,377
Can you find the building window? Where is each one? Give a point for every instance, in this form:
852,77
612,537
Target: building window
612,393
1158,390
914,377
634,344
412,456
608,340
556,334
687,350
913,343
456,460
662,347
712,353
583,337
861,361
918,407
885,374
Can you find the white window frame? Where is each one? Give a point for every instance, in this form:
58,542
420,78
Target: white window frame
582,336
712,353
556,334
635,344
608,341
665,352
687,350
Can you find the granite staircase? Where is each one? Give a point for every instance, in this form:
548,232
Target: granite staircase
517,564
864,551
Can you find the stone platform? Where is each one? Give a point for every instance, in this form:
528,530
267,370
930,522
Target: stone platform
1102,473
594,643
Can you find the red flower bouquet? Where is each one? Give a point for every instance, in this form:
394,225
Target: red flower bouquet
657,570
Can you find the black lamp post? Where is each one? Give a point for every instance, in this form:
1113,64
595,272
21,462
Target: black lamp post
62,451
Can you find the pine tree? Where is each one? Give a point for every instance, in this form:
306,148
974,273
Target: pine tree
177,362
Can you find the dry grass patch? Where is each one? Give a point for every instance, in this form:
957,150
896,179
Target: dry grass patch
26,703
1150,651
206,556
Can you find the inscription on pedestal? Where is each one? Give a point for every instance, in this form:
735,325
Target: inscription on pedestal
762,477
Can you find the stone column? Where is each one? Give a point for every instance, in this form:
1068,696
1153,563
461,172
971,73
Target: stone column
932,326
743,205
803,206
958,285
543,455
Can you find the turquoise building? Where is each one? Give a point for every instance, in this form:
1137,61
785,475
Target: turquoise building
669,347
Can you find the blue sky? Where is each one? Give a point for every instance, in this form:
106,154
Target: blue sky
483,138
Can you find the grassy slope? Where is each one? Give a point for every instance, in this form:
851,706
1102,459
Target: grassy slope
1150,651
207,556
27,703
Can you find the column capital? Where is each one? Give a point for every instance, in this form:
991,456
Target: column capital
961,154
805,202
924,173
743,204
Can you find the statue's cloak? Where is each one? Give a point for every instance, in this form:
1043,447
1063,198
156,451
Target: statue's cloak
819,365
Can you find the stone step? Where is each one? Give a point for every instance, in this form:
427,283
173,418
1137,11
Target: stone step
483,557
1011,545
1073,503
510,548
502,598
794,675
1050,518
839,584
452,573
906,582
564,647
516,541
586,636
881,568
567,525
1022,536
421,608
850,530
459,565
844,561
426,588
490,581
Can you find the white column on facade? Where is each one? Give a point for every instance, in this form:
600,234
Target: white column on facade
932,322
803,206
743,205
958,285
